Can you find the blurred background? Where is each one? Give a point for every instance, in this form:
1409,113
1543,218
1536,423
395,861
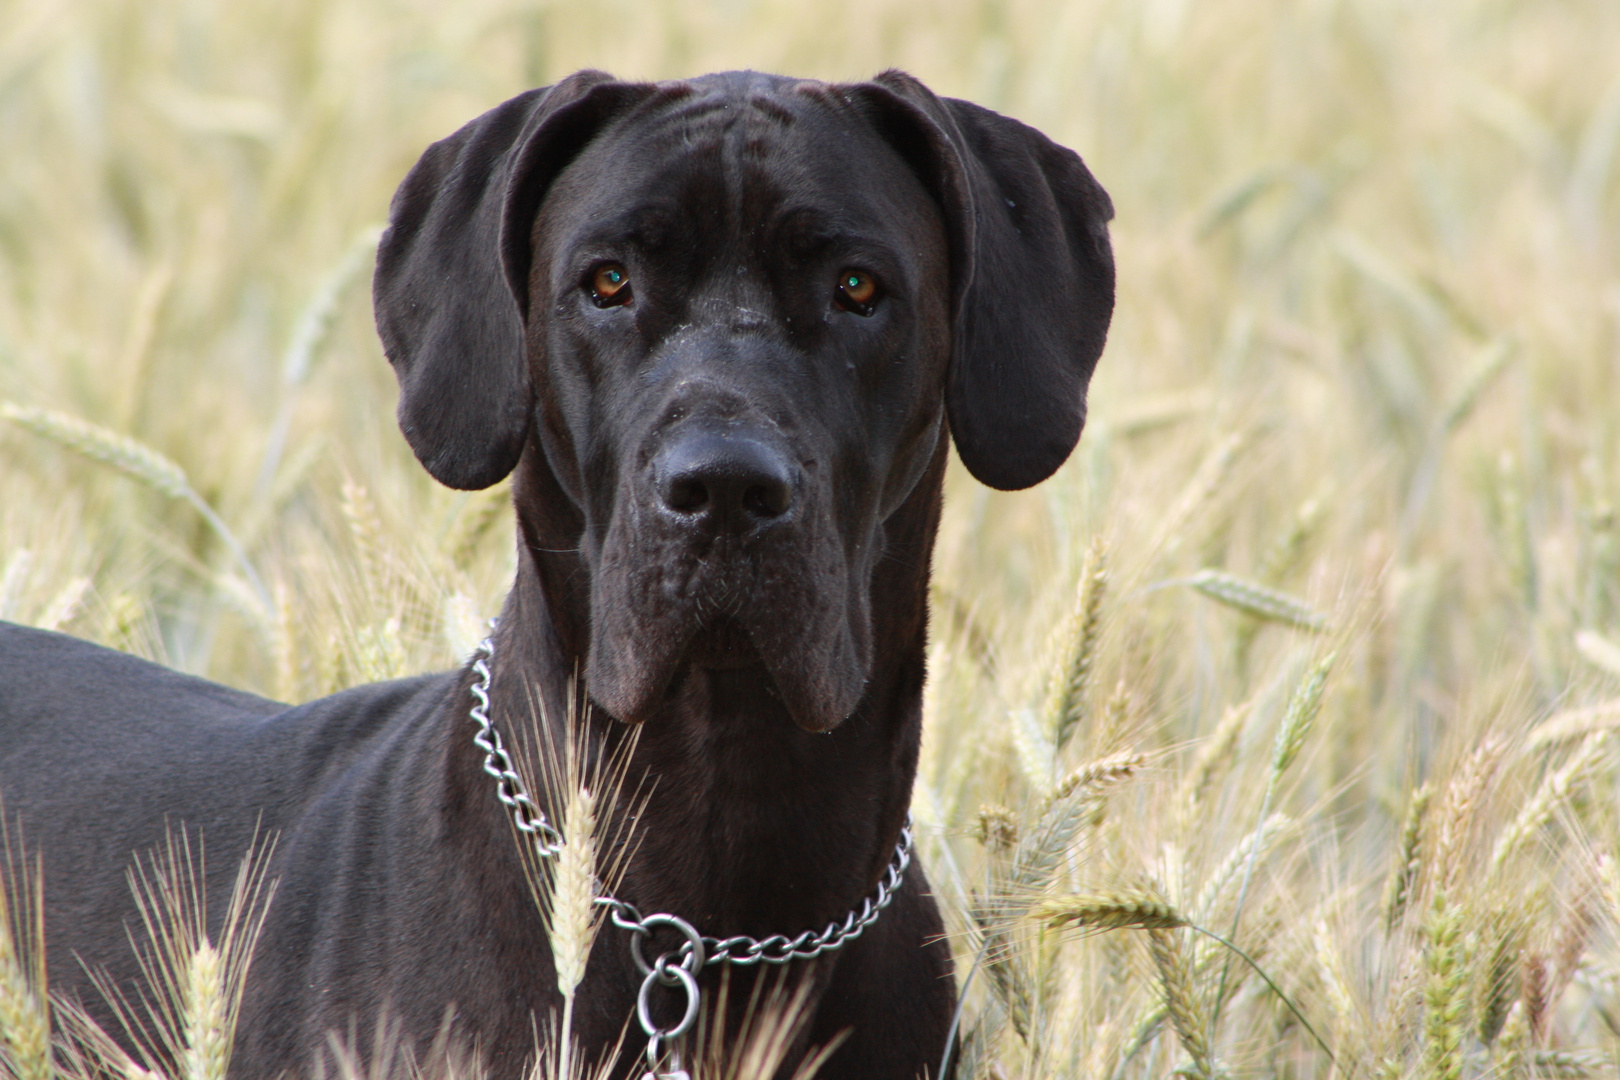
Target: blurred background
1359,399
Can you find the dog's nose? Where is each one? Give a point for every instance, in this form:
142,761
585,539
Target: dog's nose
720,480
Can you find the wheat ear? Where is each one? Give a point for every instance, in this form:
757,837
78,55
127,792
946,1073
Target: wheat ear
1090,778
1175,981
572,915
1402,878
1497,988
195,983
1454,818
366,530
1068,704
1214,754
1445,1003
1297,722
1252,598
1110,910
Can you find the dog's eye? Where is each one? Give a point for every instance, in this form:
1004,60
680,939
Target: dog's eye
610,285
857,291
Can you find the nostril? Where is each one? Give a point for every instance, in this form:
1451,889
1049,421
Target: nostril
769,499
686,495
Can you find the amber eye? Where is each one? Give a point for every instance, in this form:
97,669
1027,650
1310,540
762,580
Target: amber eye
856,291
610,285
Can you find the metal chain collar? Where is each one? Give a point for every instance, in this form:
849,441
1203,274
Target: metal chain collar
678,967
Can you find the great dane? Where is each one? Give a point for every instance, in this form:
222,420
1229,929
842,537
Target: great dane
718,330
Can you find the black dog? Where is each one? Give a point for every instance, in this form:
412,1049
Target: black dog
718,328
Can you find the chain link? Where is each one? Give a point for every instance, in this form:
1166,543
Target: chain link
529,818
745,951
678,967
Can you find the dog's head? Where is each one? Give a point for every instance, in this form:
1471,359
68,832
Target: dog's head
733,315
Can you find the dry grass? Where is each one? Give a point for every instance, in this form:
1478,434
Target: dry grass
1359,399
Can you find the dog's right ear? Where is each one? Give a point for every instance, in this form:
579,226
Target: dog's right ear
451,287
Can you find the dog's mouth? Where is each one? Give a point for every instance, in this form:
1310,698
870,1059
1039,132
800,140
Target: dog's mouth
723,645
791,630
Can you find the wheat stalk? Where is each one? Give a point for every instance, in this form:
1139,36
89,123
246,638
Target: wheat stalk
1034,867
137,460
773,1024
313,327
1330,970
1214,754
1515,518
484,510
1599,650
1036,754
1283,555
65,605
1533,993
1575,932
194,985
25,1019
996,828
1553,791
12,581
1510,1053
1250,850
1296,724
202,1013
1573,723
1490,363
1206,480
565,887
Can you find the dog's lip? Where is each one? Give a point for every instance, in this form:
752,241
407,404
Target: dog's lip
724,644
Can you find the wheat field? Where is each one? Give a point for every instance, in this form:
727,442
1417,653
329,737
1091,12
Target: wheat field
1313,645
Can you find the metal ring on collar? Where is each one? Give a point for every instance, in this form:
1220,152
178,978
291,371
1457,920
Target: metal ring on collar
644,1007
691,963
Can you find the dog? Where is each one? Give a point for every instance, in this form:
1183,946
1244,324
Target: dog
721,332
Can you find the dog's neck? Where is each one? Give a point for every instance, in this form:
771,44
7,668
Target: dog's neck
746,824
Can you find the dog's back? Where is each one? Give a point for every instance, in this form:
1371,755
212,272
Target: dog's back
103,755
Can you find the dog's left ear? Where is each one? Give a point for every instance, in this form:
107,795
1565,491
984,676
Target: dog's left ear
451,289
1032,275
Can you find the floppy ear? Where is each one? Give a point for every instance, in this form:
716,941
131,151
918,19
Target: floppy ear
451,287
1032,275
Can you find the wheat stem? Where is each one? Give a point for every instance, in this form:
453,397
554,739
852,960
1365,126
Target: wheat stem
25,1021
139,461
